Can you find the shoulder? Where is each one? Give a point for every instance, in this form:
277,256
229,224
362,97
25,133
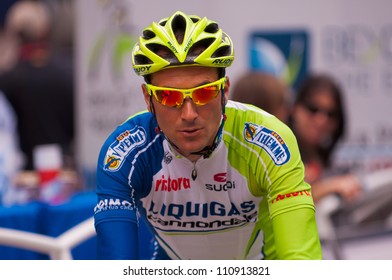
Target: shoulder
138,128
242,118
136,133
256,130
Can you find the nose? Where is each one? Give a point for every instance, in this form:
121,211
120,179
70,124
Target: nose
189,110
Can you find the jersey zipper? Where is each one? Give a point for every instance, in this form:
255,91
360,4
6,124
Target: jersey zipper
194,172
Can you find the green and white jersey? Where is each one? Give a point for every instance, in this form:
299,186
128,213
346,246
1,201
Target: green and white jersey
220,207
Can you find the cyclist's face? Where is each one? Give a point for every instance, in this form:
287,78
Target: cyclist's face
189,127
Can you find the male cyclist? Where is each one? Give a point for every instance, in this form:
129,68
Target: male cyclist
212,178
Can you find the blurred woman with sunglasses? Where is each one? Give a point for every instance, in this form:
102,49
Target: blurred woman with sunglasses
318,121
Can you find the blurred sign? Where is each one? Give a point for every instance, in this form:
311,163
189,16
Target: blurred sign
282,53
107,96
360,57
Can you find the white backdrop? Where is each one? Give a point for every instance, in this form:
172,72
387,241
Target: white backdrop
350,39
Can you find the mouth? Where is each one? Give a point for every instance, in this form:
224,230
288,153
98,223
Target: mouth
190,131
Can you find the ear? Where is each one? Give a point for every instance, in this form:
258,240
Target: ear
227,87
146,97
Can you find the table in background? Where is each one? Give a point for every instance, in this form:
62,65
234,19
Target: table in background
53,220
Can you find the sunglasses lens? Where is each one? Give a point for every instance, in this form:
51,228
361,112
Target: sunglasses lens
175,97
170,98
204,95
331,114
315,110
312,109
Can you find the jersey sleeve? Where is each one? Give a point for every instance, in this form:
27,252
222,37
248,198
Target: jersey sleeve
291,205
287,189
296,235
115,214
123,178
117,240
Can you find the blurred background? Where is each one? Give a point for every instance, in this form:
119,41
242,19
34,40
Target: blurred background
66,82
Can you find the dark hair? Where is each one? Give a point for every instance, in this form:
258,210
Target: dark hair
310,86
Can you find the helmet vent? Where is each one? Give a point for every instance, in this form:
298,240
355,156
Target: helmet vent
148,34
200,46
142,60
195,19
162,51
178,27
212,28
222,51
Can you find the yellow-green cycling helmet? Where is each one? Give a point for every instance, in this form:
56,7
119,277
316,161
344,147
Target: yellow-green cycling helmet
182,40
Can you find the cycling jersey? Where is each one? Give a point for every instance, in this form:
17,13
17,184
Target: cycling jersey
247,200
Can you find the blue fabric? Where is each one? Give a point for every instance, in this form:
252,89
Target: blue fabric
26,218
49,220
58,219
53,220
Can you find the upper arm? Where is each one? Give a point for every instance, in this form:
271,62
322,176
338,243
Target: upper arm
117,240
115,213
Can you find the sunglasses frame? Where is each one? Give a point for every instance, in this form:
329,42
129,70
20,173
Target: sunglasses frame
186,92
313,109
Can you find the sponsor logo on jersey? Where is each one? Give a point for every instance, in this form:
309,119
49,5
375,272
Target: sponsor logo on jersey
221,187
269,140
221,183
112,204
169,184
220,177
124,144
209,215
167,158
280,197
216,224
202,210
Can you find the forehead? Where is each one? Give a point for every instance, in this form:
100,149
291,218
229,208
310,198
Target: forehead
323,98
185,77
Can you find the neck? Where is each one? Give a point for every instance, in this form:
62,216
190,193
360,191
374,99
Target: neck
191,156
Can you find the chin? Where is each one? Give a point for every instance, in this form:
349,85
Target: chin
192,148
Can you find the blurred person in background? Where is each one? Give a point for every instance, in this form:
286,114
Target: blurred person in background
39,89
265,91
10,159
318,121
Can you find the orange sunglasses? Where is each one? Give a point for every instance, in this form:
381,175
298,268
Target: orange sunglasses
174,97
